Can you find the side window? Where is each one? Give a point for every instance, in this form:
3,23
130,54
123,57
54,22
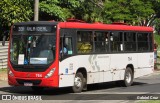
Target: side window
142,39
101,41
66,45
116,41
130,41
84,41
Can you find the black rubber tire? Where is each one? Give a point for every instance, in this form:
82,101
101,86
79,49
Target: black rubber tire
125,83
76,89
85,84
38,89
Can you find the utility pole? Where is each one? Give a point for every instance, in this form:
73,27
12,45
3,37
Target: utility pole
36,10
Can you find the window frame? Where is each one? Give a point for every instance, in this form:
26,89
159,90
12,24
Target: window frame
150,49
134,34
147,42
77,50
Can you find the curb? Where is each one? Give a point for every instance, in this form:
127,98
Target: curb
3,79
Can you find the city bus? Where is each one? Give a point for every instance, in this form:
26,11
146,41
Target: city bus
74,54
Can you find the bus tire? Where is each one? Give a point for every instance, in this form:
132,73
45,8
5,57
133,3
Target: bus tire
128,77
78,83
36,88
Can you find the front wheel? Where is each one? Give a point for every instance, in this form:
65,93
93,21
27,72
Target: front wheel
78,83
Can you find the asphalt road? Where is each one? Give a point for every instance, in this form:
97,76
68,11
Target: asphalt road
146,88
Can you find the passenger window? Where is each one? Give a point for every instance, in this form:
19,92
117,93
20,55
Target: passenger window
101,41
84,41
130,41
143,40
116,41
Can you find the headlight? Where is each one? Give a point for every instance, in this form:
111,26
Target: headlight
10,73
50,73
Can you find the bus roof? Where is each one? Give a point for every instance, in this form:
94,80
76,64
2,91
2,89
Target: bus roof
100,26
93,26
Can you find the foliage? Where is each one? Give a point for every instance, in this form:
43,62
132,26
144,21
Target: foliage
90,11
12,11
58,9
135,12
157,25
157,39
117,10
87,10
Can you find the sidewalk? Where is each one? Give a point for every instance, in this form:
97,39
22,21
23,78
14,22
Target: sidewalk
3,75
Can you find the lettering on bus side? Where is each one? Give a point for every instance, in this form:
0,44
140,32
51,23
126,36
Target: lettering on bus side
71,66
129,58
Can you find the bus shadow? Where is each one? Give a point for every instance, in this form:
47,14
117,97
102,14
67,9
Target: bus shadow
62,91
110,85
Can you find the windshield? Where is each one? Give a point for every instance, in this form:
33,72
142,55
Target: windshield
32,49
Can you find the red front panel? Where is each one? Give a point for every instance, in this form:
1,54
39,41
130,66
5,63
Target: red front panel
37,78
25,77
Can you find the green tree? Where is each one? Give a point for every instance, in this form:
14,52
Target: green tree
157,25
89,11
143,12
135,12
12,11
57,9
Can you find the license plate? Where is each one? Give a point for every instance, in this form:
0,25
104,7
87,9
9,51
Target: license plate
28,84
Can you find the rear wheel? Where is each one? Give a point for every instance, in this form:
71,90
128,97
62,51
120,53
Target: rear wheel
128,78
78,83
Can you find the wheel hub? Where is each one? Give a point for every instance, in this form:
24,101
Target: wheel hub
128,77
78,82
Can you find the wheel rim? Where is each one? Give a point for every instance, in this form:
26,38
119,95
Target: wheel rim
128,77
78,82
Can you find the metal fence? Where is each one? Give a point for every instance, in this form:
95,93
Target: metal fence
3,55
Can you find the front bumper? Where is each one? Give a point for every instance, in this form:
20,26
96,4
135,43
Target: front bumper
42,82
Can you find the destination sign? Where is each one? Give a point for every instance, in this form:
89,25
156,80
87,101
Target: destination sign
33,28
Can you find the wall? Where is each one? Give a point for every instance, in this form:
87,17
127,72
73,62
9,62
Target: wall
3,55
